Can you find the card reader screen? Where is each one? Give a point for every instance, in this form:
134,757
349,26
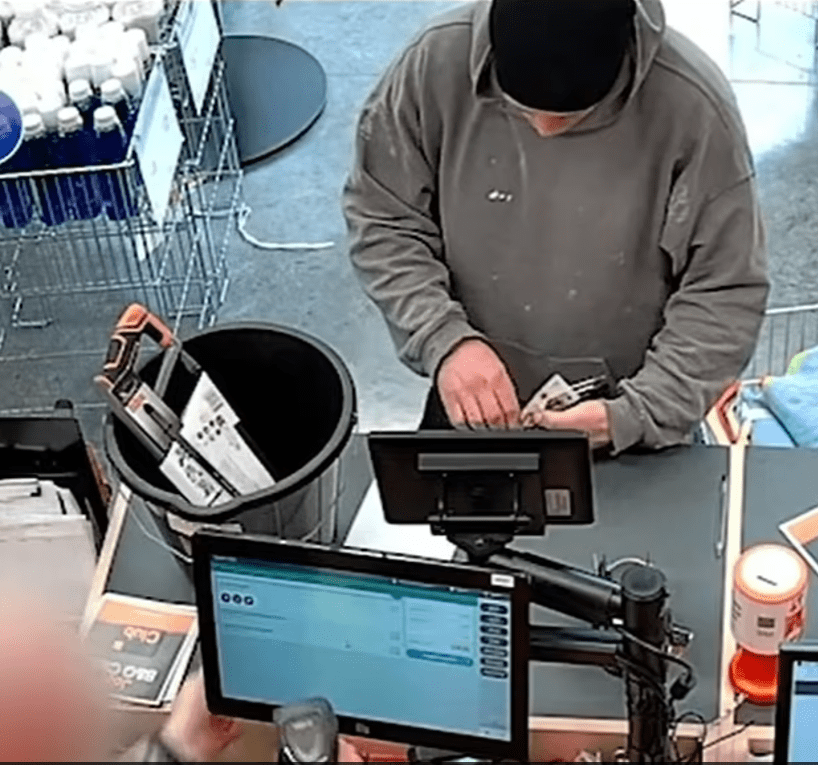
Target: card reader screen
377,648
803,734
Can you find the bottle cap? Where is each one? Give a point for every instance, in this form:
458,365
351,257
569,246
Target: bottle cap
37,41
79,90
69,119
105,119
112,91
11,56
33,125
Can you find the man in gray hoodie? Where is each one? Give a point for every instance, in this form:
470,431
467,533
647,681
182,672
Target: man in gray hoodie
544,183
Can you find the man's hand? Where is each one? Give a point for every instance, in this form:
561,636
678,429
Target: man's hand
192,732
476,389
590,417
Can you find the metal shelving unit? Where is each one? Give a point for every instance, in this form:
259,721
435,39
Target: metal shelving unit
63,286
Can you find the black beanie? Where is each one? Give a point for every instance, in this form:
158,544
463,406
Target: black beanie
559,55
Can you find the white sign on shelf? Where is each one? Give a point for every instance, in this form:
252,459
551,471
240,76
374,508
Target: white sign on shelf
199,41
158,141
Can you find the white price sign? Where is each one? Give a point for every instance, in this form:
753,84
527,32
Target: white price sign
199,42
158,141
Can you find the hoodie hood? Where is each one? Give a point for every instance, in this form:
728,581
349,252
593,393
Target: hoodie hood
649,28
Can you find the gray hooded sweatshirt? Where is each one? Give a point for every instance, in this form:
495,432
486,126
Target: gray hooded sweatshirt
635,238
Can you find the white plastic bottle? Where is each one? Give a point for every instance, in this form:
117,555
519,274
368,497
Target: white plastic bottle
78,13
137,41
50,106
11,57
31,18
129,73
144,14
102,64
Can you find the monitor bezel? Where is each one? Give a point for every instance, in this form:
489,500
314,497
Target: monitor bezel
206,544
787,656
385,445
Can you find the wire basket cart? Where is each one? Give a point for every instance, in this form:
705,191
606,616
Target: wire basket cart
67,268
785,332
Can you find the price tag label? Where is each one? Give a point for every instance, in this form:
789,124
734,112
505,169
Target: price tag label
199,42
158,141
11,128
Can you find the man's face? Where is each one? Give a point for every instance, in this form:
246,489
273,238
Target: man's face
548,124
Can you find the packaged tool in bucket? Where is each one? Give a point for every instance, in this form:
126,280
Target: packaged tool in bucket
205,452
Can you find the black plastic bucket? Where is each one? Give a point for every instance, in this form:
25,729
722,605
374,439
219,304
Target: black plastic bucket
296,401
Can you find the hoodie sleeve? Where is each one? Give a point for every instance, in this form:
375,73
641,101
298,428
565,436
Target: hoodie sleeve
390,205
712,319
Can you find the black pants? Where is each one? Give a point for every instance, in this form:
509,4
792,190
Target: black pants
434,414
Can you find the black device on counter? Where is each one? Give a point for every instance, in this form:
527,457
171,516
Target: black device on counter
404,649
497,483
481,489
796,714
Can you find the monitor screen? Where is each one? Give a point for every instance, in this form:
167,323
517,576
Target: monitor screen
797,714
410,647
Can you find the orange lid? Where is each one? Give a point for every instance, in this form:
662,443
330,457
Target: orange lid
755,676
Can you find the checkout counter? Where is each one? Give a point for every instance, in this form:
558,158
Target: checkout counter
690,510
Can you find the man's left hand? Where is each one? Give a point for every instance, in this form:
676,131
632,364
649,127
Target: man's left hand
590,417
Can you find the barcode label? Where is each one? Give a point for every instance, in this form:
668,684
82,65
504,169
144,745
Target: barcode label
558,503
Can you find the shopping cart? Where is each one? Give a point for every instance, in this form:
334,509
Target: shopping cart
784,333
62,285
742,411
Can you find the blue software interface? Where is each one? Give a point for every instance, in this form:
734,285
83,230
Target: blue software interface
377,648
803,737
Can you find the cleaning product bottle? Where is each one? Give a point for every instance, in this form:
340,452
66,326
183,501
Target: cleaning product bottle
111,147
74,148
82,96
113,94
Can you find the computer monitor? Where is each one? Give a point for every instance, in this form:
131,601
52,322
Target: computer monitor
796,715
524,480
406,650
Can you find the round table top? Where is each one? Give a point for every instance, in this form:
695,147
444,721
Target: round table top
277,90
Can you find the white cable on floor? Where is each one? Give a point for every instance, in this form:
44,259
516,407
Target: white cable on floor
244,213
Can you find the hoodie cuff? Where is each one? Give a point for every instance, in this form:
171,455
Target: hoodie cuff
443,341
625,423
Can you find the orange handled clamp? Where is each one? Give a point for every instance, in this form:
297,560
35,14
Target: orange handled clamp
123,349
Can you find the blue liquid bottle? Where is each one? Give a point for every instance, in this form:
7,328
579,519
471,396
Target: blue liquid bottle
113,94
74,147
82,96
111,147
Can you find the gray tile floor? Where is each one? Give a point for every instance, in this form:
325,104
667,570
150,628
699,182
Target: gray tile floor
295,197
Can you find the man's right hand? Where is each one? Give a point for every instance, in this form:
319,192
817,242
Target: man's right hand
476,389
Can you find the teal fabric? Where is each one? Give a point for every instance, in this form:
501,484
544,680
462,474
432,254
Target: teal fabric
793,399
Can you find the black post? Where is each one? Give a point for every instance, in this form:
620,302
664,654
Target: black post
644,595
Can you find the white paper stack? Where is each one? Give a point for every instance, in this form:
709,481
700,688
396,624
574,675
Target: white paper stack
46,544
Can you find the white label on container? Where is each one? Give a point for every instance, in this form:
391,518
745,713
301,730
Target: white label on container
209,425
158,141
192,480
502,580
199,42
558,503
